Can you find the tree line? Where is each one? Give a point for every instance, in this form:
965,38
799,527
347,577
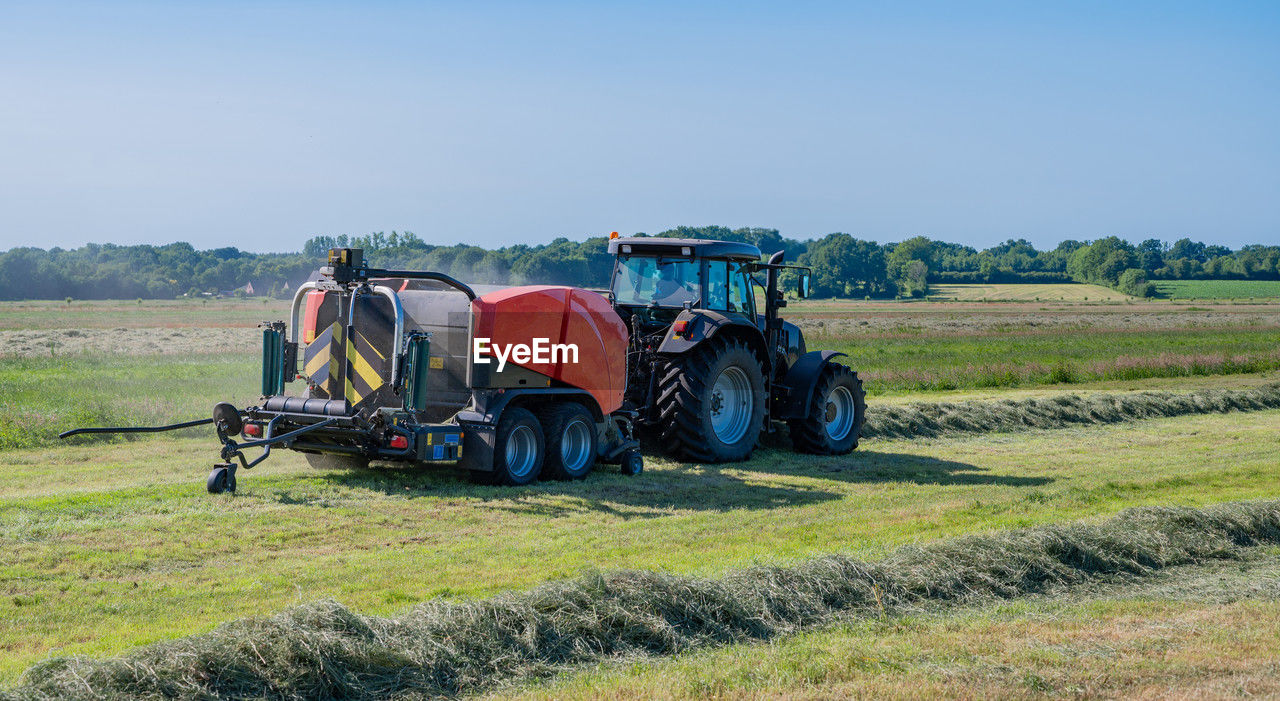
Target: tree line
843,265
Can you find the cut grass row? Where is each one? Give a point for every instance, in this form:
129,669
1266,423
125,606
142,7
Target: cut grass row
933,419
109,546
1201,631
325,650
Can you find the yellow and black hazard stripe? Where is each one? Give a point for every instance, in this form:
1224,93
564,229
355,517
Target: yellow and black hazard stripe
322,359
366,367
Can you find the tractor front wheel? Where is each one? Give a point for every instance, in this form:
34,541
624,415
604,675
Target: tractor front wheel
836,410
711,402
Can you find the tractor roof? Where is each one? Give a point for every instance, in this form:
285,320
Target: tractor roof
701,248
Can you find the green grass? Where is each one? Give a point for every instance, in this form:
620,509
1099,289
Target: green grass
41,397
111,546
915,362
1218,289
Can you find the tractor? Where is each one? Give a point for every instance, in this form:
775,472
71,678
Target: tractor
708,371
542,381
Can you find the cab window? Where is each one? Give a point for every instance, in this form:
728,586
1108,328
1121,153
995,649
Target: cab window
717,285
667,282
741,294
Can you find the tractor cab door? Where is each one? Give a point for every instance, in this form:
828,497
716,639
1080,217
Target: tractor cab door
729,288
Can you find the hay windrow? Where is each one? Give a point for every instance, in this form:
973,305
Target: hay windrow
324,650
935,419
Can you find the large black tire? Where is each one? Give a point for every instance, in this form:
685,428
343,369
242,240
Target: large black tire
332,461
696,394
518,452
571,441
836,410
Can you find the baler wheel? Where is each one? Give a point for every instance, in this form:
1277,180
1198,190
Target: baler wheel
571,441
221,479
835,414
632,463
518,452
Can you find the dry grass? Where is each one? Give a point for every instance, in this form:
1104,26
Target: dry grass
327,651
1066,292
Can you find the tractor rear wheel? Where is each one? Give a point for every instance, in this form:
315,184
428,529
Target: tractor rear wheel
711,402
571,441
836,410
518,452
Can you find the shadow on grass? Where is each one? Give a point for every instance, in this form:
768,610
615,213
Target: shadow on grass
869,466
686,487
773,479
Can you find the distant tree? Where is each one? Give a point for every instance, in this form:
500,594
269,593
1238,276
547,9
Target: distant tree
915,278
1134,282
1151,254
1186,248
1216,252
843,266
1102,261
916,248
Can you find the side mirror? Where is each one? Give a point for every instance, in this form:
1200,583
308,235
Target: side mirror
804,284
418,363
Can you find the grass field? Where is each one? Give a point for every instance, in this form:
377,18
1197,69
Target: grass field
114,544
1029,292
110,314
41,397
1218,289
111,546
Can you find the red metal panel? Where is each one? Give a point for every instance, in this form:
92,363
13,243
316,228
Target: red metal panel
601,337
563,315
314,299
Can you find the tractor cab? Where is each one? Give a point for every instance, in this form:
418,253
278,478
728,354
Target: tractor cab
658,283
654,279
675,273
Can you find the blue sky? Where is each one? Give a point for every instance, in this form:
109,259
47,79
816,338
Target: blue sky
260,124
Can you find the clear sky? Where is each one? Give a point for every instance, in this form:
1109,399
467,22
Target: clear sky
260,124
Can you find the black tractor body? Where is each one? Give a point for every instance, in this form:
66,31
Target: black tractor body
710,366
